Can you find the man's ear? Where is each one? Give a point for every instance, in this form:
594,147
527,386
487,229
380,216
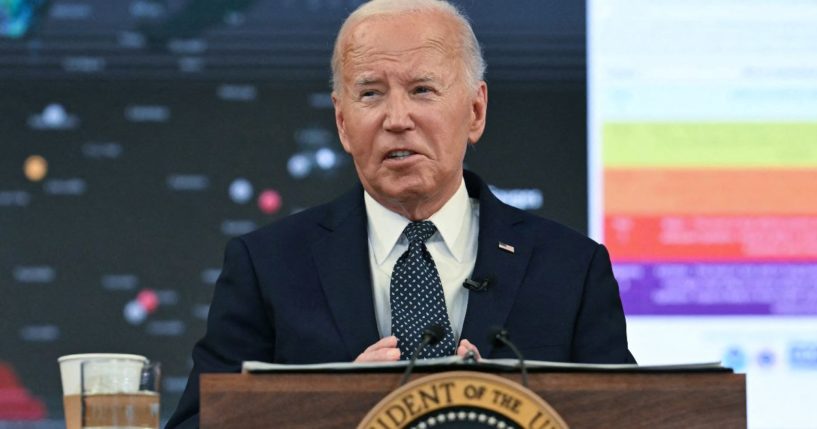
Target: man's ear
479,112
340,122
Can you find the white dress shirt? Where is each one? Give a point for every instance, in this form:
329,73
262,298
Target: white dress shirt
453,248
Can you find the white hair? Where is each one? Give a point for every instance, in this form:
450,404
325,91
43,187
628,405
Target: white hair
473,62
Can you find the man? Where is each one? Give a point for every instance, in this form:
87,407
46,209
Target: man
341,282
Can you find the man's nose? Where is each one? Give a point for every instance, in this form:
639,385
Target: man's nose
398,114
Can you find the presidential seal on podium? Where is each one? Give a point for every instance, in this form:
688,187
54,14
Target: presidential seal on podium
462,400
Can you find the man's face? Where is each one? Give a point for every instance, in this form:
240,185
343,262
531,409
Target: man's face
406,110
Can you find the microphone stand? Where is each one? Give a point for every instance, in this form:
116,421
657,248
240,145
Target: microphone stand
501,336
431,334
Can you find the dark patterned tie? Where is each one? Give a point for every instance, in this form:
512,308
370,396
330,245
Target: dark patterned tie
417,298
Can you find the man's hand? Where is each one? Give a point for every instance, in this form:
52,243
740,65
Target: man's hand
465,347
384,350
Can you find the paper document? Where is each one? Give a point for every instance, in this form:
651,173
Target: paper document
453,362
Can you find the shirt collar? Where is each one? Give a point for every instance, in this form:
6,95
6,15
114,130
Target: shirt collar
386,226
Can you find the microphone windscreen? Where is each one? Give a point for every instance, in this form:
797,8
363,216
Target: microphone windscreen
434,333
495,333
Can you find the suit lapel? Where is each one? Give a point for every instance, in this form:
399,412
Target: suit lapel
505,267
342,258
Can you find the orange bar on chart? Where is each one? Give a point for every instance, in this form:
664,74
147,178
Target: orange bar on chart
710,191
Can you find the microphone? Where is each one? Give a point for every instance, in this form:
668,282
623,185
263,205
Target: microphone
478,285
499,337
432,334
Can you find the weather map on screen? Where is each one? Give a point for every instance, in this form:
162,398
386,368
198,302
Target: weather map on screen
703,184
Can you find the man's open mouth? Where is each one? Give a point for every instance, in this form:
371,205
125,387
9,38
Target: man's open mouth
399,154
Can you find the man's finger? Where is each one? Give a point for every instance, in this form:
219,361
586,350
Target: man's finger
382,351
379,355
385,342
465,347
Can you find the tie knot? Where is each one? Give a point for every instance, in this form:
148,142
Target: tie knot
419,231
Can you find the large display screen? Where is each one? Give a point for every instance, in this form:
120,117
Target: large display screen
138,136
703,184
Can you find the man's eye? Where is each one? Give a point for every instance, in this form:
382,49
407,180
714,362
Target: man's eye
365,94
422,90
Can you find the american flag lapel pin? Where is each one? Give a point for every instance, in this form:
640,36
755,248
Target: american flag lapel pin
506,247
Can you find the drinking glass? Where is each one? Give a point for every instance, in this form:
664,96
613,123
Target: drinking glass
120,394
71,377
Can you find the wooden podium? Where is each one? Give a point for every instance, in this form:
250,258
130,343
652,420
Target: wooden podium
583,399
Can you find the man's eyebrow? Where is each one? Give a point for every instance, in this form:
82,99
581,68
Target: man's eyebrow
425,78
366,80
371,80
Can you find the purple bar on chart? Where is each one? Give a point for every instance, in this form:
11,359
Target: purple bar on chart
786,289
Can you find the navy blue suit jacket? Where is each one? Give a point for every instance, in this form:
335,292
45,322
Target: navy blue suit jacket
300,291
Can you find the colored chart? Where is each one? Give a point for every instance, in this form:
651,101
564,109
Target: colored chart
703,185
713,218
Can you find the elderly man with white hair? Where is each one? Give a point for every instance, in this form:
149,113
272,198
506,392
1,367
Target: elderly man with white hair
362,277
